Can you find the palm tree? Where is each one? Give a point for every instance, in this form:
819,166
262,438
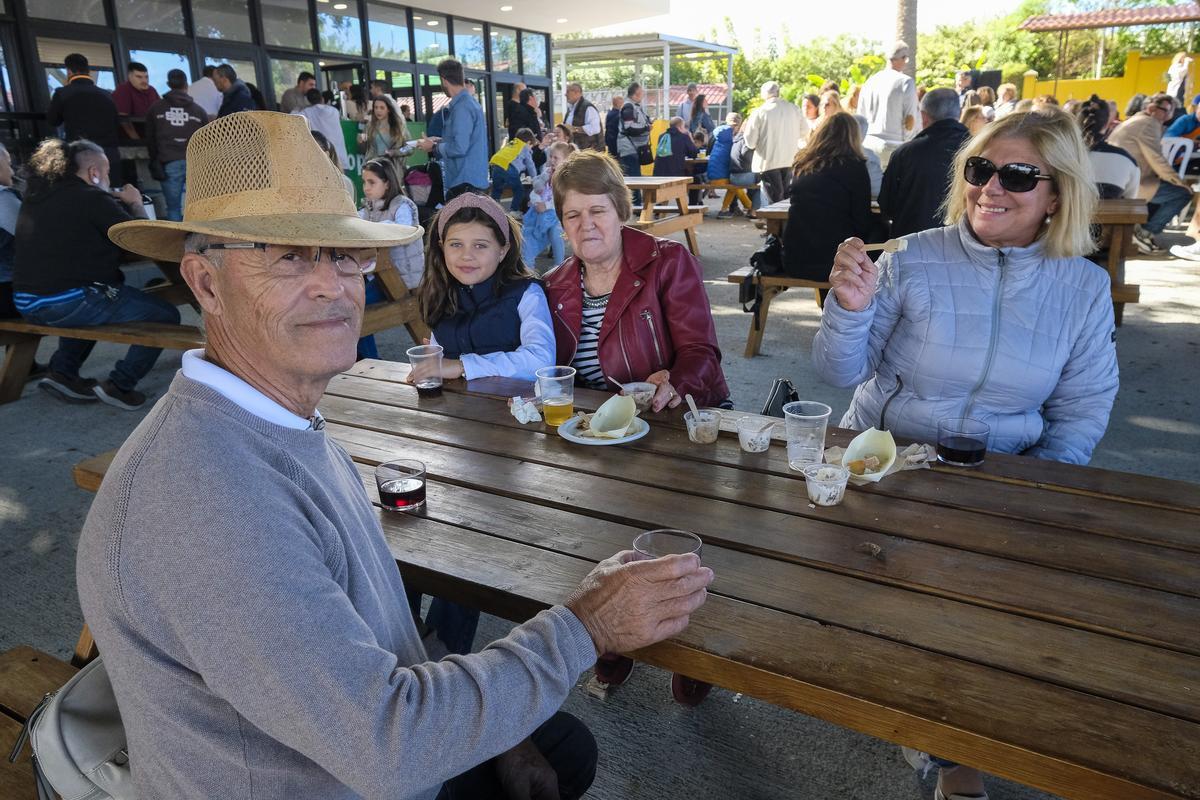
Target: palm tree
906,31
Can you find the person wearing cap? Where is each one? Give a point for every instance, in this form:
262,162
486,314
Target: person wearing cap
889,102
170,124
685,108
235,574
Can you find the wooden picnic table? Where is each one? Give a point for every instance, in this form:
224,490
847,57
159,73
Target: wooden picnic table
1119,216
1033,619
666,190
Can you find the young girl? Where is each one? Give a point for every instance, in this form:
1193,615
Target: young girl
485,308
490,315
542,226
386,202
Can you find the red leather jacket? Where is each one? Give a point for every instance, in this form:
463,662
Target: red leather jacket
657,318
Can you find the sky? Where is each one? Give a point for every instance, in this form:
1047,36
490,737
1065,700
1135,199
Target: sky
804,19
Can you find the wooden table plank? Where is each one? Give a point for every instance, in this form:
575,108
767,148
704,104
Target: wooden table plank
1000,467
991,719
1036,649
1130,612
1021,539
27,675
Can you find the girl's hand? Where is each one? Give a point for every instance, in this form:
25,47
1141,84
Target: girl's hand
665,396
451,368
539,207
854,277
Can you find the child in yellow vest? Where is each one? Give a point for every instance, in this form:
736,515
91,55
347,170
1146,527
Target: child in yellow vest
510,162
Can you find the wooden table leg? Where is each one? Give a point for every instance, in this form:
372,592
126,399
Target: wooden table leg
85,648
394,288
1116,264
649,198
758,323
689,231
18,358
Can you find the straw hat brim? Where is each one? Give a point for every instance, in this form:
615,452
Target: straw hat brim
163,241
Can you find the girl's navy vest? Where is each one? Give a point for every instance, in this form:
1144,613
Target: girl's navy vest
487,321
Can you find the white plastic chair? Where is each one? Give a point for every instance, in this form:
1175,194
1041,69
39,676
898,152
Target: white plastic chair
1173,147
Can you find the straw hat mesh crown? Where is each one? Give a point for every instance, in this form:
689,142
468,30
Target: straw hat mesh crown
260,176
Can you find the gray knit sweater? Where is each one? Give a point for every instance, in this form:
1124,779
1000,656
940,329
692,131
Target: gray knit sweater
255,628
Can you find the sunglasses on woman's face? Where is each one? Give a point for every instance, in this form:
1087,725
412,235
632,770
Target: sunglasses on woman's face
1015,177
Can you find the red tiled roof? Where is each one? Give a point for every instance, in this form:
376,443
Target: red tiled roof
1114,18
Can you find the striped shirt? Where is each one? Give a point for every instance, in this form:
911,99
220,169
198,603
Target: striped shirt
587,356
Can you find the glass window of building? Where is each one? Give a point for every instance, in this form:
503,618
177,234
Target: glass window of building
158,64
284,74
222,19
161,16
468,43
433,99
387,26
246,70
6,95
533,53
90,11
430,36
504,49
340,31
52,52
285,23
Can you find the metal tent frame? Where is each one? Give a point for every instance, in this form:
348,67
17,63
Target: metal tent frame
639,48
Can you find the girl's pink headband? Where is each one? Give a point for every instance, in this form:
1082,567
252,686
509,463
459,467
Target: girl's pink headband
471,200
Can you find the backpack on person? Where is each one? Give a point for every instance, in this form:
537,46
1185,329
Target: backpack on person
78,741
664,146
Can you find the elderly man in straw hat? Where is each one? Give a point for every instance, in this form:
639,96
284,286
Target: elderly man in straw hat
233,569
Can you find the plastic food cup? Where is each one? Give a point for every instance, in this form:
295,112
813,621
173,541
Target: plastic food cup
705,428
754,435
826,483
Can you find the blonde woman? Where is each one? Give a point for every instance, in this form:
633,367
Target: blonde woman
973,118
831,103
996,316
1008,100
386,135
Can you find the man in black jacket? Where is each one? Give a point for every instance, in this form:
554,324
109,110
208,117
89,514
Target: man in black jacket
237,94
170,124
525,115
612,125
918,175
85,111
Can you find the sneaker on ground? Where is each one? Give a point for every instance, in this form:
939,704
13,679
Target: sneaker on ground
1145,240
1191,252
131,400
71,389
725,214
37,370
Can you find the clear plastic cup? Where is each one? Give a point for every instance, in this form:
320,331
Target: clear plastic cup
642,393
826,483
426,361
705,428
556,387
754,435
665,542
805,422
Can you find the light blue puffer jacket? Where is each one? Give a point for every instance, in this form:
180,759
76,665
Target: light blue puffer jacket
1020,341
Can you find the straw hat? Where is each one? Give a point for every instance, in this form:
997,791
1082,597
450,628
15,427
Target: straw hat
259,176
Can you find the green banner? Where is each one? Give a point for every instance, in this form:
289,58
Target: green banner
350,131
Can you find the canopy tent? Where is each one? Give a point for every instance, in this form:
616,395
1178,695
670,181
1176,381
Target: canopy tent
639,48
1063,24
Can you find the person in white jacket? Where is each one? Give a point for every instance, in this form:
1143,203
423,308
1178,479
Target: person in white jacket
775,131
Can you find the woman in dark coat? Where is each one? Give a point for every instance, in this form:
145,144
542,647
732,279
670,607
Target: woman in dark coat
831,198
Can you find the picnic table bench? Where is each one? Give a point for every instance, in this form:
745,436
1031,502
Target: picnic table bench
1033,619
1117,218
21,338
679,217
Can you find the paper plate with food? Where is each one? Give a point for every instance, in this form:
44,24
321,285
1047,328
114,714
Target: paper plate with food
614,422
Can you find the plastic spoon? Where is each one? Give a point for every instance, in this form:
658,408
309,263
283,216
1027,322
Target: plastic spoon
692,405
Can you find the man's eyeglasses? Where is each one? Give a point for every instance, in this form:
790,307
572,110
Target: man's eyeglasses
291,261
1015,177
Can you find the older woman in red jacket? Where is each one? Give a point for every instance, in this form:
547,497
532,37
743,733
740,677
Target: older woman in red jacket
628,305
633,307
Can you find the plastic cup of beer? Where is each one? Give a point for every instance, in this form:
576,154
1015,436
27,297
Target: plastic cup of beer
401,485
426,362
666,542
805,422
556,385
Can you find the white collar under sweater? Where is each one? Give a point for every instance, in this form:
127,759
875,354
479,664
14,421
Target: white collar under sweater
236,390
